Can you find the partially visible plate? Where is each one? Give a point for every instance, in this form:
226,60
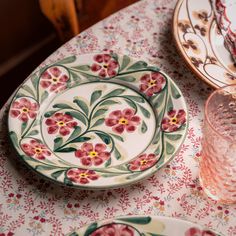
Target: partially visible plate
143,226
97,120
201,44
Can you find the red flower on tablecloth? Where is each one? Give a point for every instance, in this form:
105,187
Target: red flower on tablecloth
159,204
7,234
24,109
71,211
197,232
106,66
35,150
170,170
114,230
13,200
92,155
81,176
37,224
152,83
54,78
143,162
38,218
60,122
123,120
173,121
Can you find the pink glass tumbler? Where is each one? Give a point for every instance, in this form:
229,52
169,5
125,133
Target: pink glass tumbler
218,162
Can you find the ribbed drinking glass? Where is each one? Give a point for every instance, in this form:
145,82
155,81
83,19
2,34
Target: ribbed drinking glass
218,161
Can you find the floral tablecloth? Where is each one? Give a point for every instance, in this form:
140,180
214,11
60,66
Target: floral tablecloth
30,205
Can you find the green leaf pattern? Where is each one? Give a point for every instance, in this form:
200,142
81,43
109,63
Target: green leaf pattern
91,114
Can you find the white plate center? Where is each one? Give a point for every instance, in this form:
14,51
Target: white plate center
97,125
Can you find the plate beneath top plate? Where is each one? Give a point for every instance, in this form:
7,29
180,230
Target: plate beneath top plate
201,44
143,225
97,120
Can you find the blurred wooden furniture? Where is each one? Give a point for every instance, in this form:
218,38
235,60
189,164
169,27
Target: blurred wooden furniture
63,15
69,17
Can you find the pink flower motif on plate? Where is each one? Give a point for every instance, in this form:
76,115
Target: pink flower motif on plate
197,232
81,176
174,120
90,155
24,109
35,150
60,122
152,83
143,162
114,230
54,79
123,120
105,65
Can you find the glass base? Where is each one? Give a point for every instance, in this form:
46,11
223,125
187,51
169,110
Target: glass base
210,194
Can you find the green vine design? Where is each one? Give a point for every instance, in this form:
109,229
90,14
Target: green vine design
90,119
92,115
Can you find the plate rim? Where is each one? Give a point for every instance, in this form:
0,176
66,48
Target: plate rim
181,50
155,217
112,185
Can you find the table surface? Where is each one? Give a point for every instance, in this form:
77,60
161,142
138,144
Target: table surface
32,206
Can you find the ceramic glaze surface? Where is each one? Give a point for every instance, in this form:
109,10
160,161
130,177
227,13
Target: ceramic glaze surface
143,226
226,20
201,44
92,129
85,120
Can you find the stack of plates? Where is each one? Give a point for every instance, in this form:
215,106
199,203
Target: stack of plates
201,44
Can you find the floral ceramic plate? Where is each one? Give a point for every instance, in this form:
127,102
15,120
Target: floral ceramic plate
201,44
143,226
98,120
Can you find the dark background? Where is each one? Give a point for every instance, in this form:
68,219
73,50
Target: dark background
27,37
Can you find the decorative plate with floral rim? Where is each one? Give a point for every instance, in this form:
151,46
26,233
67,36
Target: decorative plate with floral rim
143,226
201,44
97,120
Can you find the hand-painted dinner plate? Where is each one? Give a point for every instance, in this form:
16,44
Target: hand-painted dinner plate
201,44
143,226
97,120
